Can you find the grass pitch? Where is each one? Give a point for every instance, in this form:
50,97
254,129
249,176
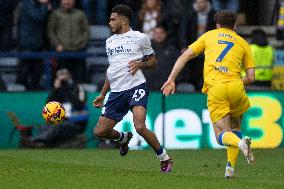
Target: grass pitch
80,169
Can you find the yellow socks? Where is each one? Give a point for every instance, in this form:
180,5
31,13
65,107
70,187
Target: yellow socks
232,155
229,139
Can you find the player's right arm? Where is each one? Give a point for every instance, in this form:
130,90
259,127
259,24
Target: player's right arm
99,100
193,50
169,86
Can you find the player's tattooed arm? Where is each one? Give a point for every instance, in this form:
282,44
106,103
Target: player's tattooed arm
148,62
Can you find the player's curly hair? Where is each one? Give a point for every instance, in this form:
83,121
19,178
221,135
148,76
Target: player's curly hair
225,18
123,10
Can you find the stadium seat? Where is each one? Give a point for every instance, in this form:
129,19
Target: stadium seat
97,66
97,63
185,88
8,72
99,32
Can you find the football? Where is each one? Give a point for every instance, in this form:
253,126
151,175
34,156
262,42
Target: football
53,113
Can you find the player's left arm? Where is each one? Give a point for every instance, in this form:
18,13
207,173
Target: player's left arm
250,76
148,62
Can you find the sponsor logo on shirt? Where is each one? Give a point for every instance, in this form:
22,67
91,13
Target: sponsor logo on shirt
222,69
117,50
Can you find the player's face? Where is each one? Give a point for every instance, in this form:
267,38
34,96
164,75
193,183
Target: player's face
115,23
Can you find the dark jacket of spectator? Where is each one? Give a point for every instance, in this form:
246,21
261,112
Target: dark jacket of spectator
6,11
69,29
32,24
166,54
175,10
6,22
194,24
189,27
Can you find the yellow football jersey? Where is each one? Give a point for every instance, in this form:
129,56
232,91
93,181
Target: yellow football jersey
226,54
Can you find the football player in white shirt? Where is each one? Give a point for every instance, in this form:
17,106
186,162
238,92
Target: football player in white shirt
128,52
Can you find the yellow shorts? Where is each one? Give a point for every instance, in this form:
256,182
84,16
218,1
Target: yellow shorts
227,98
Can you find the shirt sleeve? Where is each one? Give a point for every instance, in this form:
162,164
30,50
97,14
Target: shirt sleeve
248,61
198,46
146,45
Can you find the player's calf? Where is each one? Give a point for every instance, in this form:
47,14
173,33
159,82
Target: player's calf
101,133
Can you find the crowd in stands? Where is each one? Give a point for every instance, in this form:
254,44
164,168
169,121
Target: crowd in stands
64,26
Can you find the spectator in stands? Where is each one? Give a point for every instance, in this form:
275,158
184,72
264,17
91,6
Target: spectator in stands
68,31
263,55
73,98
232,5
149,16
166,54
174,12
85,5
6,23
194,24
31,30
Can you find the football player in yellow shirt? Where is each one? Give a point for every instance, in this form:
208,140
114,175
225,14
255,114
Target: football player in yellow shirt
226,54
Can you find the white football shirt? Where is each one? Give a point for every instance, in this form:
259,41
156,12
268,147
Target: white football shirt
121,49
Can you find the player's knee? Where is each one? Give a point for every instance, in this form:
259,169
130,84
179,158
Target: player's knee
100,133
139,123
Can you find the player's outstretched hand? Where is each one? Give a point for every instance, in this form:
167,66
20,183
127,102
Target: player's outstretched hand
168,88
133,66
98,102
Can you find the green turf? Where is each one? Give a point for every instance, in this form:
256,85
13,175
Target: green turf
80,169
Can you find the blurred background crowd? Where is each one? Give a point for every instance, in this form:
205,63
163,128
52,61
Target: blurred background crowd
39,37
